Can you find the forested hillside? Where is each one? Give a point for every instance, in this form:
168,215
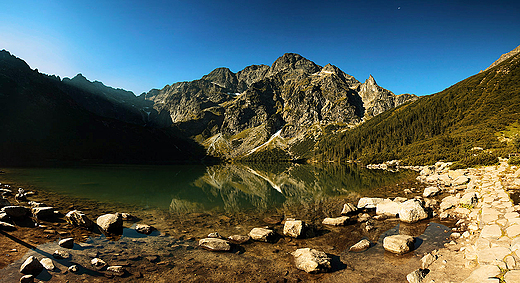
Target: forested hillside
472,122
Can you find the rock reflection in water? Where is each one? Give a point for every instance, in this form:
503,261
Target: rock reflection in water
259,187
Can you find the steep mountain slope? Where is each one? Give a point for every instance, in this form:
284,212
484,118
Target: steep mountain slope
276,108
450,125
42,121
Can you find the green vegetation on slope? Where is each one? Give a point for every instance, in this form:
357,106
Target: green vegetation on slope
443,126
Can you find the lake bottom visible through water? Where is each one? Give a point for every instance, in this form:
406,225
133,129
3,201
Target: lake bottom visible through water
172,252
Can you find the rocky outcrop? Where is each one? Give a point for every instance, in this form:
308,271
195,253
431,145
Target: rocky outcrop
504,57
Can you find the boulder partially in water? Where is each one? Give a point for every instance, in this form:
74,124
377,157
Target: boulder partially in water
215,244
368,202
43,212
294,228
412,211
360,246
398,244
111,223
311,260
144,229
262,234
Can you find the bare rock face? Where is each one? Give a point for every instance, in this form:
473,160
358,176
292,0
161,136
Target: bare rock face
31,266
311,260
79,219
398,244
111,223
504,57
294,228
214,244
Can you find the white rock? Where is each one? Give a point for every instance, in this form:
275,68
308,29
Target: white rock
311,260
368,202
412,211
47,263
336,221
262,234
215,244
360,246
348,208
387,208
398,244
431,191
294,228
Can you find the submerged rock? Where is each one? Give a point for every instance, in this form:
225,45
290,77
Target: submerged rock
144,229
214,244
398,244
79,219
262,234
116,270
98,263
215,235
4,202
238,239
31,266
311,260
294,228
360,246
111,223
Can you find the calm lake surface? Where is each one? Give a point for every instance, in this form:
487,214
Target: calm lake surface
197,188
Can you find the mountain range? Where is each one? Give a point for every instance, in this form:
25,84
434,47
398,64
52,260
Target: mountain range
290,111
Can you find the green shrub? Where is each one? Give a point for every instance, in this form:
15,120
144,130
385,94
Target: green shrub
473,160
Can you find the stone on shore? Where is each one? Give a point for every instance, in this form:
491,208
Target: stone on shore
336,221
360,246
311,260
368,202
387,208
31,266
215,245
294,228
417,276
398,244
67,243
144,229
59,254
111,223
6,226
412,211
98,263
431,191
348,208
43,212
262,234
16,211
79,219
47,263
449,202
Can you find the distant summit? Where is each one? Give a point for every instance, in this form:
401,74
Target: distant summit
504,57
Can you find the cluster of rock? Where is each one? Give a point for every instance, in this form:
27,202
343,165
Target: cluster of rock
487,232
109,224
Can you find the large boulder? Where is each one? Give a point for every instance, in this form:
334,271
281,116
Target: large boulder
214,244
31,266
398,244
43,212
262,234
16,211
311,260
368,202
388,208
111,223
294,228
79,219
412,211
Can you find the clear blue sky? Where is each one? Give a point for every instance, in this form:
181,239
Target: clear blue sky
419,47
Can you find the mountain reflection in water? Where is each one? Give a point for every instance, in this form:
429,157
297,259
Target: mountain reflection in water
220,188
259,187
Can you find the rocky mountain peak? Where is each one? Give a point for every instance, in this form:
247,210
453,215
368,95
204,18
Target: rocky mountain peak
222,77
291,62
371,81
504,57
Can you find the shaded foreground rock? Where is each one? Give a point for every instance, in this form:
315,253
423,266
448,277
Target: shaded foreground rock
43,212
16,211
31,266
214,244
262,234
111,223
398,244
311,260
79,219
